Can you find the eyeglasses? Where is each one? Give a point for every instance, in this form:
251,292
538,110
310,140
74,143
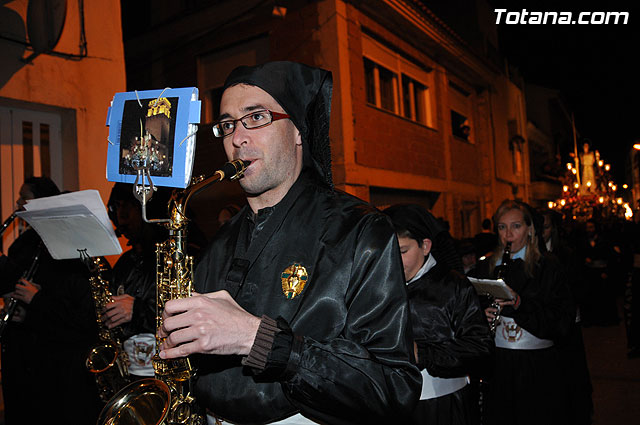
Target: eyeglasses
256,119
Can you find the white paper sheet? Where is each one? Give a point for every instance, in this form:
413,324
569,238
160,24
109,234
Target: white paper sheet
71,222
495,288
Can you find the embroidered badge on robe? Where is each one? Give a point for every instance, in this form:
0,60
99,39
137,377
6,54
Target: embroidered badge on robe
511,331
294,278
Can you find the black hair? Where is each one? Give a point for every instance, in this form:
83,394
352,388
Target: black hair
413,221
465,246
555,219
41,187
123,192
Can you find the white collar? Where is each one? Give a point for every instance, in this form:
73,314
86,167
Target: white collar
428,265
514,256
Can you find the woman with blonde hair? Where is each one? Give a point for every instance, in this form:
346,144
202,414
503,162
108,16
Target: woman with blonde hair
524,386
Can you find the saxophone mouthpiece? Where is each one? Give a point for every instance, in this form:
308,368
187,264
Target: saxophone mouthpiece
234,169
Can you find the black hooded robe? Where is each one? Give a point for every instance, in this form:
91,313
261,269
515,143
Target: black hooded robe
351,355
43,358
453,340
525,387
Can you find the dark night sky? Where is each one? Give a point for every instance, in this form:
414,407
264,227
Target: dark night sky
595,66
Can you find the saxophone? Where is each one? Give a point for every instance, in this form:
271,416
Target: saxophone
501,272
167,399
107,360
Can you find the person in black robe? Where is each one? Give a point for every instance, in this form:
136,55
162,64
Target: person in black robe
62,316
578,389
599,307
451,336
467,252
303,314
132,314
485,242
45,346
525,386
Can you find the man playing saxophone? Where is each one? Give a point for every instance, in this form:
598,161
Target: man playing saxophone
303,315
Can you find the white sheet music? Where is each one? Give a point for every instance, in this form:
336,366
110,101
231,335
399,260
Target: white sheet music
495,288
71,222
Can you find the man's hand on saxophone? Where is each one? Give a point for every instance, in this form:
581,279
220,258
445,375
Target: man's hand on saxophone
210,323
119,311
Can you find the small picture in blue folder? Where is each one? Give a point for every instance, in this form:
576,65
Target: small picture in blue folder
148,131
153,131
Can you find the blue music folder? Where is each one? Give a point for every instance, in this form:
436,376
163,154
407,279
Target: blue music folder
154,129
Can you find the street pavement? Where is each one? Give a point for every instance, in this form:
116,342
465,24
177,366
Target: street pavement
615,378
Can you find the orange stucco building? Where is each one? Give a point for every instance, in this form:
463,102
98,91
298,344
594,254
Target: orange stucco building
55,91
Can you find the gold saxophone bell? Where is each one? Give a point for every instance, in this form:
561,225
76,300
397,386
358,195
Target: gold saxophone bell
146,401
